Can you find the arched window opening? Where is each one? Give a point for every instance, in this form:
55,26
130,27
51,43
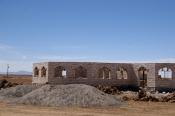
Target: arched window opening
142,73
104,73
36,72
122,73
80,72
60,71
43,72
165,73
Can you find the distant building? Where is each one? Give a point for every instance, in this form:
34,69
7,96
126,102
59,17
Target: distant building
153,76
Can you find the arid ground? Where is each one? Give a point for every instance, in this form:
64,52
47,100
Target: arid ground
131,108
20,79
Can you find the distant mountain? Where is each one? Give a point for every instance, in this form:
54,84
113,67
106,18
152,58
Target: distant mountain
21,73
18,73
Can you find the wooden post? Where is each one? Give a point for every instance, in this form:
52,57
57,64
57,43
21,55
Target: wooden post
8,70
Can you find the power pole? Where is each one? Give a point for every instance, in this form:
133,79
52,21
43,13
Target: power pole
8,70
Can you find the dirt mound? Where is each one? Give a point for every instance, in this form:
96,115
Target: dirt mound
60,95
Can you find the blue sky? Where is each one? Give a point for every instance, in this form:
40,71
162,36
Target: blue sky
85,30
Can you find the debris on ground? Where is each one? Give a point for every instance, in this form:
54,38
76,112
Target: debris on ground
6,84
144,95
108,89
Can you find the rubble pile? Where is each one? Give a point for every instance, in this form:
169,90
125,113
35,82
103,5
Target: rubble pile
141,95
144,95
6,84
108,89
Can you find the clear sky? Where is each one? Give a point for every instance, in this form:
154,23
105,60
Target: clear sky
85,30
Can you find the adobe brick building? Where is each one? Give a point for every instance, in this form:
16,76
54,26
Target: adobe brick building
154,76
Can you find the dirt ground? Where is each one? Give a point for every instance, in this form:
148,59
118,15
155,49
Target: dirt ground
130,109
18,79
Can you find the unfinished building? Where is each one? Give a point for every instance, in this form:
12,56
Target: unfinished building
153,76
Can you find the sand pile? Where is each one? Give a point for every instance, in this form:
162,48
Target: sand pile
60,95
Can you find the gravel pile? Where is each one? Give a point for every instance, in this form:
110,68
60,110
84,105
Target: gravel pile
15,92
60,95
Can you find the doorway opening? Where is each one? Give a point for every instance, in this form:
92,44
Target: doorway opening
143,73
